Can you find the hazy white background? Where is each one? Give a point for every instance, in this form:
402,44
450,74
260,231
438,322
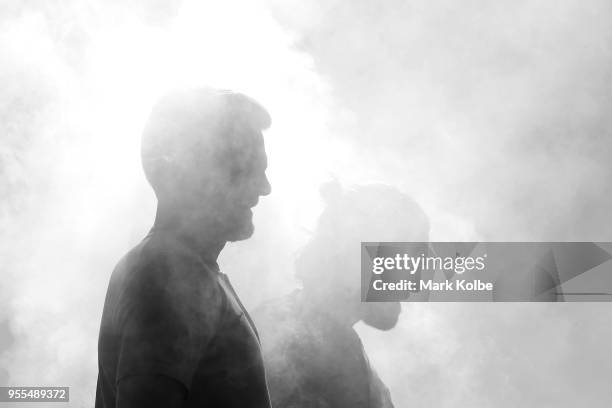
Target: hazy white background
494,115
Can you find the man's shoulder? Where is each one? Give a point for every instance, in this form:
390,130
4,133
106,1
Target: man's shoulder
167,249
161,277
162,255
162,264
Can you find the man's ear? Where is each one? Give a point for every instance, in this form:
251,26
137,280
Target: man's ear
167,172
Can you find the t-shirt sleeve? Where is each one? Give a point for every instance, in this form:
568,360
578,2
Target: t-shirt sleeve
168,316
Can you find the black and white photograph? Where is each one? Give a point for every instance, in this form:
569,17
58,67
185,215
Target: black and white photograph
305,204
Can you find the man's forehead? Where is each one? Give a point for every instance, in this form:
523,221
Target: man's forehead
247,137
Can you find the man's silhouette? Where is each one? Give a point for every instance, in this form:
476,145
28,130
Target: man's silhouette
314,358
173,332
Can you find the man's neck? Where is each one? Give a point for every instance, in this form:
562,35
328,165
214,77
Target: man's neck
194,233
331,306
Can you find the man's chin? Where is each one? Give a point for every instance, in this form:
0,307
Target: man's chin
240,234
382,316
383,324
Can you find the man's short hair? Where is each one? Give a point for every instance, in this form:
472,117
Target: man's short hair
193,126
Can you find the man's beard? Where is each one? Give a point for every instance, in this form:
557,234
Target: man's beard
240,228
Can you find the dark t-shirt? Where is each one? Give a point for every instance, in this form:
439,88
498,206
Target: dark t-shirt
168,312
313,361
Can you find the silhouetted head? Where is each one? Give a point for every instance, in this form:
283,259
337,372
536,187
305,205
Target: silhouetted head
329,265
203,154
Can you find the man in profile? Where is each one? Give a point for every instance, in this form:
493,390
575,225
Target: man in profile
314,357
173,331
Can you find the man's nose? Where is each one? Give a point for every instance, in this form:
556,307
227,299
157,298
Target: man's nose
266,188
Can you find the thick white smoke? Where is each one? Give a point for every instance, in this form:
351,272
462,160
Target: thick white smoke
79,80
492,114
495,116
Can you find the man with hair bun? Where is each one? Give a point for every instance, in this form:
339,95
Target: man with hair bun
174,333
314,357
